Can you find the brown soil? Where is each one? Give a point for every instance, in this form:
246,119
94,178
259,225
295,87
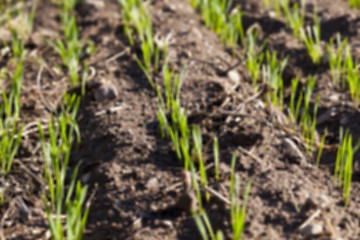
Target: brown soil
134,173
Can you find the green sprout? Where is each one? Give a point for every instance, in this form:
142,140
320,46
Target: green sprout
237,212
311,38
137,20
336,55
254,57
306,122
176,126
10,137
295,105
70,49
351,75
10,108
196,131
295,18
321,148
344,162
216,157
218,17
204,226
72,46
56,155
272,74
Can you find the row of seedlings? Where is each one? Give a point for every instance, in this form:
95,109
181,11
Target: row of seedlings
344,73
136,16
66,206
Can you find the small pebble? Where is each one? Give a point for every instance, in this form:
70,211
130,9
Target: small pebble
152,184
167,223
234,77
312,230
136,224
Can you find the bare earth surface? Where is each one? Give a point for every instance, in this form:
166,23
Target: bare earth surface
135,174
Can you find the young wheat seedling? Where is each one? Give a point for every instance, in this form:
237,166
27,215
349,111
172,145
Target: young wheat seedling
305,121
137,20
216,157
336,55
56,155
237,212
295,105
254,57
344,162
311,38
295,18
272,74
218,17
71,48
351,75
10,108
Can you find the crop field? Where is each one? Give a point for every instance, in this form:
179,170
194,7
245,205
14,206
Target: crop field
179,119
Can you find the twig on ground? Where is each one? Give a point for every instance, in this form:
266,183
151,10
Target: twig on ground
293,146
244,151
217,194
314,215
8,211
109,110
31,174
265,88
48,107
117,55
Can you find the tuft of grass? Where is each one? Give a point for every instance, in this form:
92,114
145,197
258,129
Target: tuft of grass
56,155
70,49
25,24
204,226
295,105
343,68
176,127
272,74
137,20
344,162
336,53
308,123
302,116
321,148
219,17
311,39
351,75
10,137
237,212
72,46
254,57
295,18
